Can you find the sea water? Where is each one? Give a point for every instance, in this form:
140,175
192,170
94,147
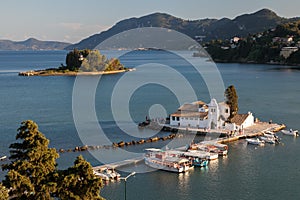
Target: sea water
248,172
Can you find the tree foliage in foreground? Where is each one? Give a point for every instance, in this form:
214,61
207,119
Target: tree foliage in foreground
3,192
32,172
80,182
232,101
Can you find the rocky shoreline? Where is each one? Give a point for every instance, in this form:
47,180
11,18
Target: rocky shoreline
52,72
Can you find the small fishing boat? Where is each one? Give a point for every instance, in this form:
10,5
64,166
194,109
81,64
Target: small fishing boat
255,142
290,132
3,157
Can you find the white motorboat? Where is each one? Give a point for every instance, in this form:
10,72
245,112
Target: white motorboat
255,142
270,140
3,157
107,174
104,177
290,132
168,161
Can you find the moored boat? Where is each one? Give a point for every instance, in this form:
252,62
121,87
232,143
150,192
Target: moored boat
255,142
3,157
198,159
102,176
268,140
290,132
107,174
163,160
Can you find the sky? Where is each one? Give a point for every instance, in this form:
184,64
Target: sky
74,20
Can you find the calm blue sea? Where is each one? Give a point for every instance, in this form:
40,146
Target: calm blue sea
270,92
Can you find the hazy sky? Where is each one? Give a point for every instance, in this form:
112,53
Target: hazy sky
73,20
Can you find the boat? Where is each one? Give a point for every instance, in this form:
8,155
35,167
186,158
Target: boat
269,140
290,132
107,174
3,157
270,137
215,150
168,161
104,177
255,142
198,159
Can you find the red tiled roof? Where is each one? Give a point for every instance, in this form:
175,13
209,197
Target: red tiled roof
239,119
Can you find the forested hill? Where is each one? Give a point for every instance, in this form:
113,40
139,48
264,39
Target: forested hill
279,46
208,29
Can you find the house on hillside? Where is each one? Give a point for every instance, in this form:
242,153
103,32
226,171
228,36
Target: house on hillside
283,40
287,51
209,116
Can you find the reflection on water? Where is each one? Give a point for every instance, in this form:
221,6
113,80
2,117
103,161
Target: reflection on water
213,165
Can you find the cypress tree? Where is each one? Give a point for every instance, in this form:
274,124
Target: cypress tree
232,101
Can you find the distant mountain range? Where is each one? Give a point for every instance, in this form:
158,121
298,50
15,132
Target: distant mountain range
208,29
32,44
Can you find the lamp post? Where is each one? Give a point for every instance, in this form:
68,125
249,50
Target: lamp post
125,180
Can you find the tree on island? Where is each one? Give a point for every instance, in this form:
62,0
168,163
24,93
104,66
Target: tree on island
32,172
91,61
232,101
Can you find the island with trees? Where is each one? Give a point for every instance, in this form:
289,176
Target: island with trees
82,62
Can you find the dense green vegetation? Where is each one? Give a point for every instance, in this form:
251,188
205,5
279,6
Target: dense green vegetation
232,101
262,47
90,61
33,174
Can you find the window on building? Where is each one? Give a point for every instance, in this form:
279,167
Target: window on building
226,110
177,118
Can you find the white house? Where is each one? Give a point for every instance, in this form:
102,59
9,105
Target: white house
287,51
209,116
242,121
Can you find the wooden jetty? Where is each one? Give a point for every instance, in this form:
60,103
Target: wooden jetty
119,164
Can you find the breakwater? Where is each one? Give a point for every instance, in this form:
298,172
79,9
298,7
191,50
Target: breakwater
118,144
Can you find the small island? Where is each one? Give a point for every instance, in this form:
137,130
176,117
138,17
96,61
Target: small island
82,62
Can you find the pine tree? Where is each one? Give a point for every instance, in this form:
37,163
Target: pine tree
232,101
79,182
32,164
32,172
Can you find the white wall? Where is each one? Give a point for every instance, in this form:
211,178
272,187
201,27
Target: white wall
249,121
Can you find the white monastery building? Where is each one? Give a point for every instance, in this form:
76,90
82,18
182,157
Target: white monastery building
209,116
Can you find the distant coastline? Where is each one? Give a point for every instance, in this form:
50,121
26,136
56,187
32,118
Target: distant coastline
257,63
